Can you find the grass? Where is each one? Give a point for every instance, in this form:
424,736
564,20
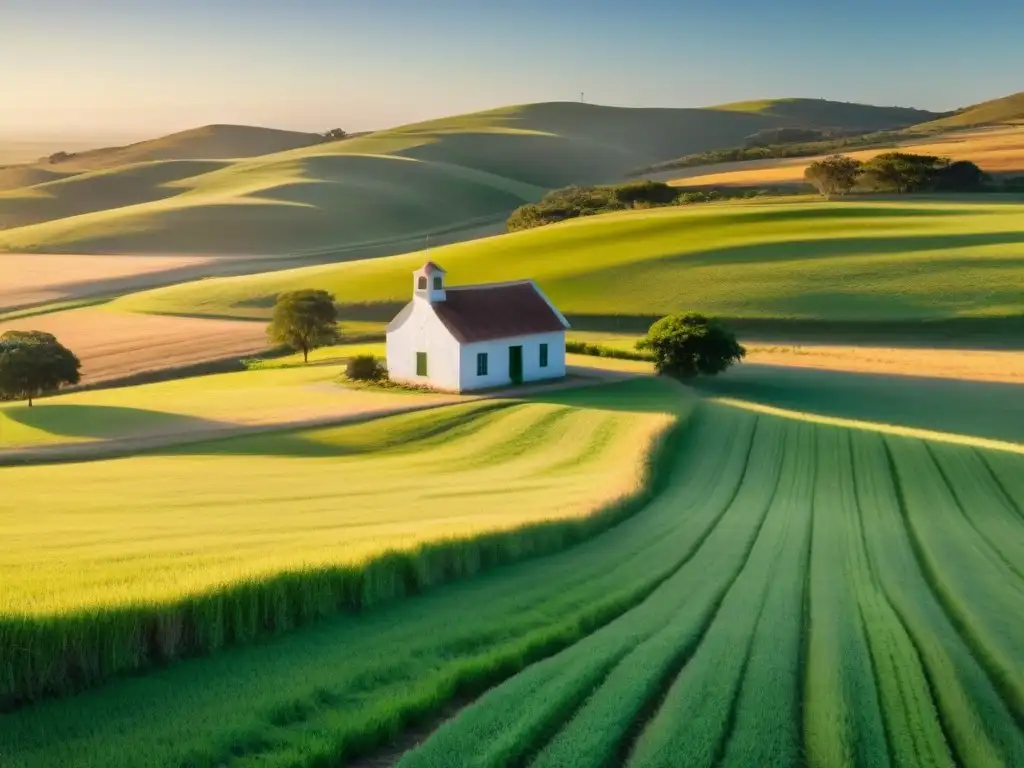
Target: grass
279,390
900,264
795,591
264,541
239,190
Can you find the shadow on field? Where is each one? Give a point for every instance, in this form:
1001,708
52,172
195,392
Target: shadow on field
644,394
819,248
103,421
981,409
961,332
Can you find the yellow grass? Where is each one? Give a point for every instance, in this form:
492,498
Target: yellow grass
996,150
156,528
946,363
199,406
938,362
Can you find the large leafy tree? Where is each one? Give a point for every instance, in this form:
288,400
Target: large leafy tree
686,345
33,363
903,172
962,176
305,320
834,175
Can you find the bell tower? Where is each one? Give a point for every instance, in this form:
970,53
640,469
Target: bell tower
428,283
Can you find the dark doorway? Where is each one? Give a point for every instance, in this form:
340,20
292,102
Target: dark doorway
515,364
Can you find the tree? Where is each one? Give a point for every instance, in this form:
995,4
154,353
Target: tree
835,175
650,192
305,320
33,363
903,172
685,345
961,176
335,134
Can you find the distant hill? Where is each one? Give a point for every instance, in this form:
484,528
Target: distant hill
17,176
1008,109
832,114
232,189
210,142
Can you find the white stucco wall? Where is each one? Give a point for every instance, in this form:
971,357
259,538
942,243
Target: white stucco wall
497,360
423,332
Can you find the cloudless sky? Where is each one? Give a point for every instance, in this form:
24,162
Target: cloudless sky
145,67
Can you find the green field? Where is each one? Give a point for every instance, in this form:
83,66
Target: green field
207,544
242,190
796,593
856,262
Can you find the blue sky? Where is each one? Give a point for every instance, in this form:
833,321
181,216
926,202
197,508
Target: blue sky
141,67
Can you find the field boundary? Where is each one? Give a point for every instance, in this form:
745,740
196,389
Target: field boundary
64,654
874,426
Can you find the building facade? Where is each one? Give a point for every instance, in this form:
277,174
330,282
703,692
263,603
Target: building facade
475,337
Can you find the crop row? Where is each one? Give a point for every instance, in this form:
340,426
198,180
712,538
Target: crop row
345,685
865,614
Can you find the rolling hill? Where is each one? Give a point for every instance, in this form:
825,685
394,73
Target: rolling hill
1008,109
824,113
858,262
209,142
380,191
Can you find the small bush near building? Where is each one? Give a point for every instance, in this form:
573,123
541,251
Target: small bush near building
366,368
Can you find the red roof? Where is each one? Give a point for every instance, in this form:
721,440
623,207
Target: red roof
431,266
486,312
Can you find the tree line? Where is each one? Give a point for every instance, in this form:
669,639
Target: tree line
895,172
574,202
780,144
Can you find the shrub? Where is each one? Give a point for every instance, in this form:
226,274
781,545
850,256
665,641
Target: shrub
641,192
365,368
835,175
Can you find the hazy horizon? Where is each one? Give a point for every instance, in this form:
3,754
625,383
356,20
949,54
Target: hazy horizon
120,70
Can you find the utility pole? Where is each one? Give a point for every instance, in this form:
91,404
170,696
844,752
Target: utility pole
581,98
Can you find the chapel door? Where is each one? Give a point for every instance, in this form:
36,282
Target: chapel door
515,364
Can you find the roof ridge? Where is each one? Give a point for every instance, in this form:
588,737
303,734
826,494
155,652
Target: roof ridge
527,281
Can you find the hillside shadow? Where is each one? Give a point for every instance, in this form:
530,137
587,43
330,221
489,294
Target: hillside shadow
643,394
844,210
104,422
817,248
981,409
966,332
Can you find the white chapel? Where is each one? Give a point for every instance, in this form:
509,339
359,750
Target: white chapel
475,336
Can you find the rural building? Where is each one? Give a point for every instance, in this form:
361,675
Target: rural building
475,336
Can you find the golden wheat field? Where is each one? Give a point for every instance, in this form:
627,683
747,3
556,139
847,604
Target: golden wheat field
995,150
